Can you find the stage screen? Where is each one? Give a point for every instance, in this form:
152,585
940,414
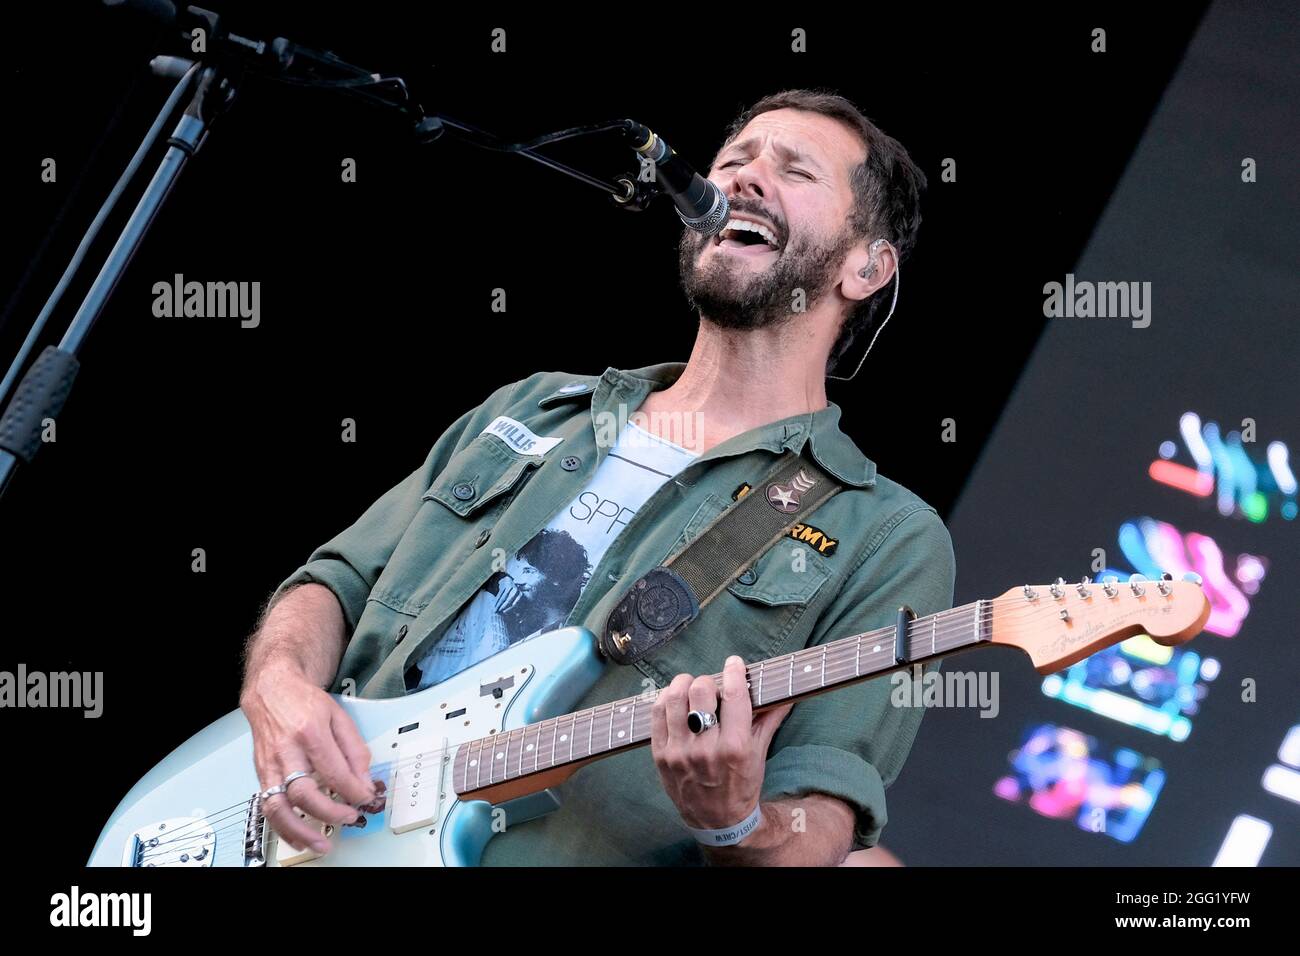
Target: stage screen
1162,438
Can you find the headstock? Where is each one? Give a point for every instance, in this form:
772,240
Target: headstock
1059,624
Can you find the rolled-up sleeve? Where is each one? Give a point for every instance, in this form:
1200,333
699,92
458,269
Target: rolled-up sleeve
350,563
851,743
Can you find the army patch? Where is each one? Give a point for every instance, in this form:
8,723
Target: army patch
815,537
808,534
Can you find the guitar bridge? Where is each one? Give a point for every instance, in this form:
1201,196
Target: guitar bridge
255,833
179,841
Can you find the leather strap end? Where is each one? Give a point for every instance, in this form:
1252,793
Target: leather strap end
649,615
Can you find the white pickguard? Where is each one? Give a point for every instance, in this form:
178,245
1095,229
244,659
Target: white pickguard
192,809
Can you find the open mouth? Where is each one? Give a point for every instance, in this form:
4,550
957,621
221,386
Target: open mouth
747,237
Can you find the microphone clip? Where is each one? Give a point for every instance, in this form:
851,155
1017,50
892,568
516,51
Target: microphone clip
636,193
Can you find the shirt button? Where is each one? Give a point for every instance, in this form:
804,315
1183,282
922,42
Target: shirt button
463,490
614,575
570,462
482,538
401,633
749,577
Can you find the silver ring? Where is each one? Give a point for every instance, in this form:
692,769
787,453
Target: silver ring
272,791
699,721
296,775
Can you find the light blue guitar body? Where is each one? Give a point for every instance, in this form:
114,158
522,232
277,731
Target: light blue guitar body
198,807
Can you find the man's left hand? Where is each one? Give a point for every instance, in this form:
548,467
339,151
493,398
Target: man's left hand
715,777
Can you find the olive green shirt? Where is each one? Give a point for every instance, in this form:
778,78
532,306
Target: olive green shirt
419,553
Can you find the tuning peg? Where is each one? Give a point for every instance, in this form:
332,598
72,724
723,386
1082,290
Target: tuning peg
1163,584
1108,585
1135,584
1056,588
1082,587
1030,593
1193,577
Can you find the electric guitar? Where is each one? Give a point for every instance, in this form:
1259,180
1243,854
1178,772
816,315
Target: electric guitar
499,733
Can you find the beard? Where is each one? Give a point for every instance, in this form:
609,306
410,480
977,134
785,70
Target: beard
729,296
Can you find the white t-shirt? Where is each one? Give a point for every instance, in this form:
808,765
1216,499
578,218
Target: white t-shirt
541,583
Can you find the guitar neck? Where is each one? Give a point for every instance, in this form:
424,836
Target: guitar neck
502,766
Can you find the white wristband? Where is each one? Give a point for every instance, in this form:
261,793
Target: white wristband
728,836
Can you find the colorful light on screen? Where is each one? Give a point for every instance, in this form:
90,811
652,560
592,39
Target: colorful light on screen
1245,842
1222,467
1140,683
1283,779
1248,836
1153,547
1057,773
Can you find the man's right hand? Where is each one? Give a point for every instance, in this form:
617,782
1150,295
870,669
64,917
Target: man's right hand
297,726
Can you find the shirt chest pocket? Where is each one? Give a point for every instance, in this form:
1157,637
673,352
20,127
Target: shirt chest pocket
478,474
455,521
756,615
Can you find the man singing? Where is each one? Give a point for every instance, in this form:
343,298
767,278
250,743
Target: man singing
542,505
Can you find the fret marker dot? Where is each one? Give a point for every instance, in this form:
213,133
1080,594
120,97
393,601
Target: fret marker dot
473,763
564,737
500,755
807,668
529,747
622,710
622,733
876,649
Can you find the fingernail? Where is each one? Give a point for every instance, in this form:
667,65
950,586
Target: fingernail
320,846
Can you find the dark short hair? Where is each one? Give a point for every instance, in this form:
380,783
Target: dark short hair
886,189
559,556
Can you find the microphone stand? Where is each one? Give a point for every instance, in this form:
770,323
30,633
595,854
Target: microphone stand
44,389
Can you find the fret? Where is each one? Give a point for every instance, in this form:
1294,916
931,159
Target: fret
537,747
857,657
505,760
622,709
542,730
977,620
823,665
934,629
760,682
790,692
631,727
591,730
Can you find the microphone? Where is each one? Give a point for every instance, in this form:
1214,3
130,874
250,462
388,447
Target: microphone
700,204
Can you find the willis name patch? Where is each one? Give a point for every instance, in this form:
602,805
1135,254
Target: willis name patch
519,436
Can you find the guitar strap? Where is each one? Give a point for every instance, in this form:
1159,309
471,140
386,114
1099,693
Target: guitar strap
663,601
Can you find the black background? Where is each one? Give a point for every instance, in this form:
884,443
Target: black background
185,433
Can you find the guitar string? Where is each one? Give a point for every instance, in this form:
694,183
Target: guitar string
836,655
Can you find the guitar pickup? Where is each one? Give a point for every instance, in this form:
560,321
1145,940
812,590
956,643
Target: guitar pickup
418,782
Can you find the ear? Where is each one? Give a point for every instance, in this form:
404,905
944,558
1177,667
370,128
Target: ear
855,286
